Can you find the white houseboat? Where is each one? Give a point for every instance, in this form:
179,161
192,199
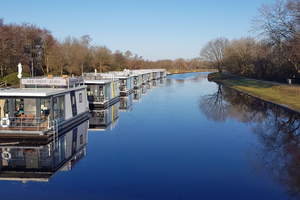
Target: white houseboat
102,92
146,75
137,79
42,106
125,81
102,119
34,162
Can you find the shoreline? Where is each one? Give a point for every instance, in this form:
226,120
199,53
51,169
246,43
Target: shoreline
284,95
191,71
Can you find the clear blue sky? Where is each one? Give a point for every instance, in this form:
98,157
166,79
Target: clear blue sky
154,29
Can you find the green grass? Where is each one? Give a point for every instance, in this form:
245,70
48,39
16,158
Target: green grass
285,94
190,71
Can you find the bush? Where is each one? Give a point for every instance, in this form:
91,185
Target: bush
12,79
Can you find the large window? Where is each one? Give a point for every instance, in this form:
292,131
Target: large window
4,109
59,108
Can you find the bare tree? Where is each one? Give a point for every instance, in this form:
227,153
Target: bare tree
213,52
279,22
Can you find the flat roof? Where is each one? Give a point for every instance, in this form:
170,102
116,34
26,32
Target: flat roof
99,81
36,92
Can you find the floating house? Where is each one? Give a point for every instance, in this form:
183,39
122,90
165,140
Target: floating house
146,75
102,119
125,81
156,74
126,103
42,106
102,92
33,161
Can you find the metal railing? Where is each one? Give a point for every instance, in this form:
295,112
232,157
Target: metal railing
97,99
25,123
122,88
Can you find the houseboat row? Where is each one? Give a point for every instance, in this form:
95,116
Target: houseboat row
45,123
43,106
108,118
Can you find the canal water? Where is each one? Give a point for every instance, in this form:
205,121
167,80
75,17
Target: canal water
187,138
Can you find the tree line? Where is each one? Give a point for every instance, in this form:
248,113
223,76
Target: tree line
40,53
271,53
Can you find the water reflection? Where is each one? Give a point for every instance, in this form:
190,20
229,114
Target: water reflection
149,85
137,94
277,129
144,89
126,103
34,162
104,118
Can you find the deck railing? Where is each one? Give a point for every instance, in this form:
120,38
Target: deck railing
24,123
97,99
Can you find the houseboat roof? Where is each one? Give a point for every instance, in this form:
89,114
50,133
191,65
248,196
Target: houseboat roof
44,86
101,81
99,78
38,92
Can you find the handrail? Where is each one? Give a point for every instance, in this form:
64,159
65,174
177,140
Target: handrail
24,123
3,84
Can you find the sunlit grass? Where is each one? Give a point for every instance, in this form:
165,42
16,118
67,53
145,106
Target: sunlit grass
190,71
285,94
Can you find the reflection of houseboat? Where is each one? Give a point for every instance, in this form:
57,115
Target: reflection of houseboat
155,83
125,81
126,103
101,92
137,80
32,162
104,118
137,94
144,89
150,85
162,81
42,105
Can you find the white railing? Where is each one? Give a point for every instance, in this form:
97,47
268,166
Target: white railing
97,99
24,123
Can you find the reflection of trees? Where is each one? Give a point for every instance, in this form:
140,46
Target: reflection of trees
214,106
181,81
280,151
199,78
277,129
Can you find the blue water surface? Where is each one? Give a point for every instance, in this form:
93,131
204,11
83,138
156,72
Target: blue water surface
168,147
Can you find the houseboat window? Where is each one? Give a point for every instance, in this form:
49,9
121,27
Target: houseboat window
45,108
88,89
80,97
59,108
4,109
81,139
73,100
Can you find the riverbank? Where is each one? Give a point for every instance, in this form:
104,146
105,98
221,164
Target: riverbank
278,93
190,71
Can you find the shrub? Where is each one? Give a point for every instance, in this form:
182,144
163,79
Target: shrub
12,79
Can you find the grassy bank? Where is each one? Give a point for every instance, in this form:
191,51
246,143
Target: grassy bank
283,94
190,71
